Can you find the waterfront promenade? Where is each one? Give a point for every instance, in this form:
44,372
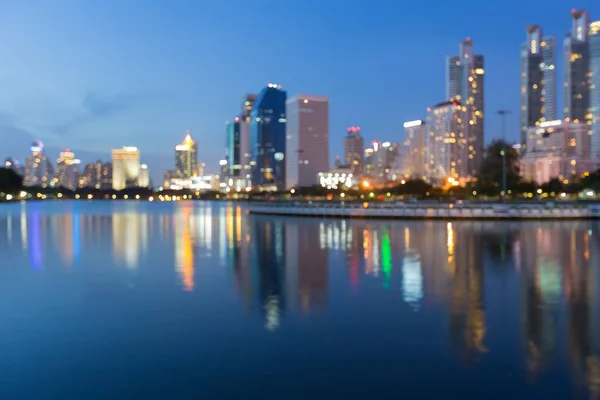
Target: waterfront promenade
430,210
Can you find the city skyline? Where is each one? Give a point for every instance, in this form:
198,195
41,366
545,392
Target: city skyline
99,107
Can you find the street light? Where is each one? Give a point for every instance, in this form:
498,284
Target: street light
503,114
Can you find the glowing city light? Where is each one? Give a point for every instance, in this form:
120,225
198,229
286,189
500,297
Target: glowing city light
410,124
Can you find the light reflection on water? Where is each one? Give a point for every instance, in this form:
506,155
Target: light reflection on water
524,296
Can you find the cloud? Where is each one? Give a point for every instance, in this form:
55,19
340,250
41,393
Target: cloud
96,107
14,137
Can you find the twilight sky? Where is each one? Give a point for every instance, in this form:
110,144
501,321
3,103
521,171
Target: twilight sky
96,74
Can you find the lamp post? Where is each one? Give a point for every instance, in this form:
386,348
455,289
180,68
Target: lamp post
503,114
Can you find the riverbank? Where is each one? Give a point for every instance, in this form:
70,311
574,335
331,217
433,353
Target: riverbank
489,211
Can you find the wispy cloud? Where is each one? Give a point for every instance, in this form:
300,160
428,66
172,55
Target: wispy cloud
96,107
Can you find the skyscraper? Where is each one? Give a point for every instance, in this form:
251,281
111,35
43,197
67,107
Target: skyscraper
67,170
307,147
38,169
144,177
538,79
594,39
354,148
237,153
414,149
125,167
577,65
186,158
106,180
465,84
380,159
247,105
446,153
267,138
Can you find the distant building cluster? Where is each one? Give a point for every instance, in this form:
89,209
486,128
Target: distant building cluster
448,144
276,143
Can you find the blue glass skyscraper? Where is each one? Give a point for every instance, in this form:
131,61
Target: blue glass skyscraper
267,139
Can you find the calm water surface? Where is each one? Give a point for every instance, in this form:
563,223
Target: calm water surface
201,300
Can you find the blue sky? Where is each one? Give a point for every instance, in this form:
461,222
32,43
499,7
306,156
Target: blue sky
92,75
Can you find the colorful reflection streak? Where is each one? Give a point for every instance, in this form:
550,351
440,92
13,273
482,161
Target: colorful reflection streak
184,246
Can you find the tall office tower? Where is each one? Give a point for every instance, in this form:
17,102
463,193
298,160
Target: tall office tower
186,157
577,66
237,154
88,176
98,174
380,161
354,148
106,181
67,170
38,169
307,132
465,84
447,152
125,167
144,177
538,80
267,138
247,105
414,149
594,39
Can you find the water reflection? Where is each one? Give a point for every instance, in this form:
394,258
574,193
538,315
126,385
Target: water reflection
530,288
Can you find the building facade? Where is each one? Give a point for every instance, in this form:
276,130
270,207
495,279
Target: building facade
538,80
144,177
414,149
465,84
38,168
354,149
576,69
186,157
237,169
557,149
594,111
67,170
307,135
267,139
381,162
447,150
125,167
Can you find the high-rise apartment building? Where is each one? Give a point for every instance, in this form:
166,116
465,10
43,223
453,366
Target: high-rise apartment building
354,148
594,111
538,80
247,105
380,161
125,167
144,177
106,180
236,170
576,69
465,84
38,168
267,138
307,133
557,149
447,150
186,158
414,149
67,170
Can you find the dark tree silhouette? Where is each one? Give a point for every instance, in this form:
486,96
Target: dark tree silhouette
489,180
10,181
